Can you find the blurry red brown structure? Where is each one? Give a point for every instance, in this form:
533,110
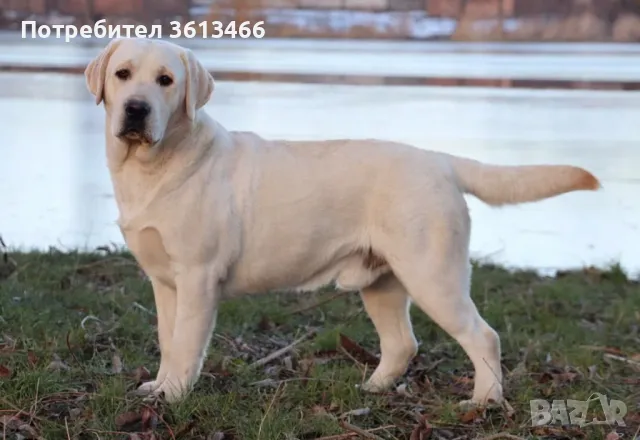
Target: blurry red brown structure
520,20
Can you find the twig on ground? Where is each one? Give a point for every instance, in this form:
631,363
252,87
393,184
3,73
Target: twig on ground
96,432
320,303
359,431
502,435
66,427
233,344
271,382
610,350
143,308
344,436
19,411
88,318
622,359
276,354
352,434
359,364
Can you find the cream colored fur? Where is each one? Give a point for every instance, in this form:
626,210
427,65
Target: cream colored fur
210,213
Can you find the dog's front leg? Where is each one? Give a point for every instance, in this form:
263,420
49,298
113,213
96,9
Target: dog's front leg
165,299
197,299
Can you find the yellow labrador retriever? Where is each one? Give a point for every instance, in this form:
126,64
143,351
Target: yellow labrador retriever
210,214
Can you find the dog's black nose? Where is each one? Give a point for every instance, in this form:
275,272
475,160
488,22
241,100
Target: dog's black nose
137,109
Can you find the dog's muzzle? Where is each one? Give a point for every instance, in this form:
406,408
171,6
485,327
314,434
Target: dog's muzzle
134,124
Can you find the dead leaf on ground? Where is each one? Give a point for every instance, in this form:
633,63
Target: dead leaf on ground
149,419
613,350
422,431
557,378
357,351
557,432
32,358
127,421
473,415
633,418
4,371
564,377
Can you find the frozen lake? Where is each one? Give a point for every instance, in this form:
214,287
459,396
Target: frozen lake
394,59
56,189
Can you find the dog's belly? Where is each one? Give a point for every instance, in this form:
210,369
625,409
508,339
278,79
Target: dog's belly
356,271
352,273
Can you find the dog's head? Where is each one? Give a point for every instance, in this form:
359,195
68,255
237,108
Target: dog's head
146,86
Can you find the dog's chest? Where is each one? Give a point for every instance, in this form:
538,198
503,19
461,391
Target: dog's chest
148,248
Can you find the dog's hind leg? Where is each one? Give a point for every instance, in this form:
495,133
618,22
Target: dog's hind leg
438,282
387,303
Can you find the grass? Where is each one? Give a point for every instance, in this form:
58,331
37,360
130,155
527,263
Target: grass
77,333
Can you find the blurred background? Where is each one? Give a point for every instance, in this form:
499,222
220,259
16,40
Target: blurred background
502,81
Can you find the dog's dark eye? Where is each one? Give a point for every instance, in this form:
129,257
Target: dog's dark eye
165,80
123,74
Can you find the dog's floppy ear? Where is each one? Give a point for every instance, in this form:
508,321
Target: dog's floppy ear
95,72
199,83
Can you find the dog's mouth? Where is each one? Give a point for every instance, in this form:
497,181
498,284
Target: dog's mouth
136,136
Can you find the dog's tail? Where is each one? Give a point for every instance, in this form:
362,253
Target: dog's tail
502,185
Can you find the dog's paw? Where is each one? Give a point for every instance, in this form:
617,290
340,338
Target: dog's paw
171,390
376,386
147,388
